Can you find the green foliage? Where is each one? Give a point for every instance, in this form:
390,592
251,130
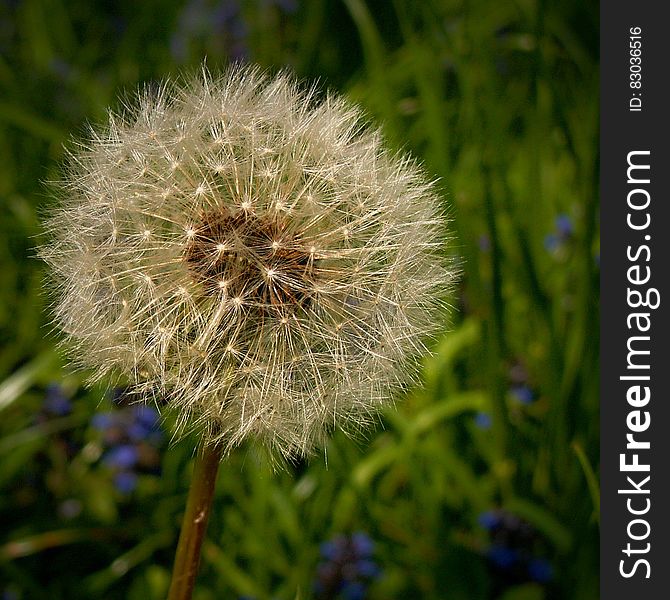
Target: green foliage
499,101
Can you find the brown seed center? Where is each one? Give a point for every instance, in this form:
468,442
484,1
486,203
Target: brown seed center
251,259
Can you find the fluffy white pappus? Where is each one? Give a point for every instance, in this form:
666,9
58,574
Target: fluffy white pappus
248,255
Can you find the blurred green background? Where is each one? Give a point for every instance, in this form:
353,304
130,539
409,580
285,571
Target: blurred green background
483,484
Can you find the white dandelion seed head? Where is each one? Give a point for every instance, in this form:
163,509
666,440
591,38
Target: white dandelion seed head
251,256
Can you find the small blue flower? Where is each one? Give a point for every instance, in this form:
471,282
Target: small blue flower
103,421
125,481
551,242
563,232
483,420
353,590
137,432
564,226
147,416
122,457
56,402
334,549
348,568
523,394
540,570
489,519
368,568
362,544
118,395
502,556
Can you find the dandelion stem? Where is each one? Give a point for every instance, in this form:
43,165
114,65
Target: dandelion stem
194,525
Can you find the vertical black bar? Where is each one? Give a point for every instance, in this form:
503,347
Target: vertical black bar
635,243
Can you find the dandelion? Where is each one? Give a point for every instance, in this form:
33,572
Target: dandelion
249,256
252,258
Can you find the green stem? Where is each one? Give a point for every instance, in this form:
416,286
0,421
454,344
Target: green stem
194,524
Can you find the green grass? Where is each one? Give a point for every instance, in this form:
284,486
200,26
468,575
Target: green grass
499,100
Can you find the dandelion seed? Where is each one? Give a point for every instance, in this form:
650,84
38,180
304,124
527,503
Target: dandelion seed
289,272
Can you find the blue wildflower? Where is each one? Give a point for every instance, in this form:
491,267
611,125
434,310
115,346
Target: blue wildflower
146,416
362,544
489,519
56,402
368,568
563,232
334,549
348,567
564,226
551,242
513,544
540,570
122,457
502,556
353,590
145,425
483,420
131,437
523,394
125,481
102,421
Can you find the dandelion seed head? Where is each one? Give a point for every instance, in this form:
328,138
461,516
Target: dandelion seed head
252,256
